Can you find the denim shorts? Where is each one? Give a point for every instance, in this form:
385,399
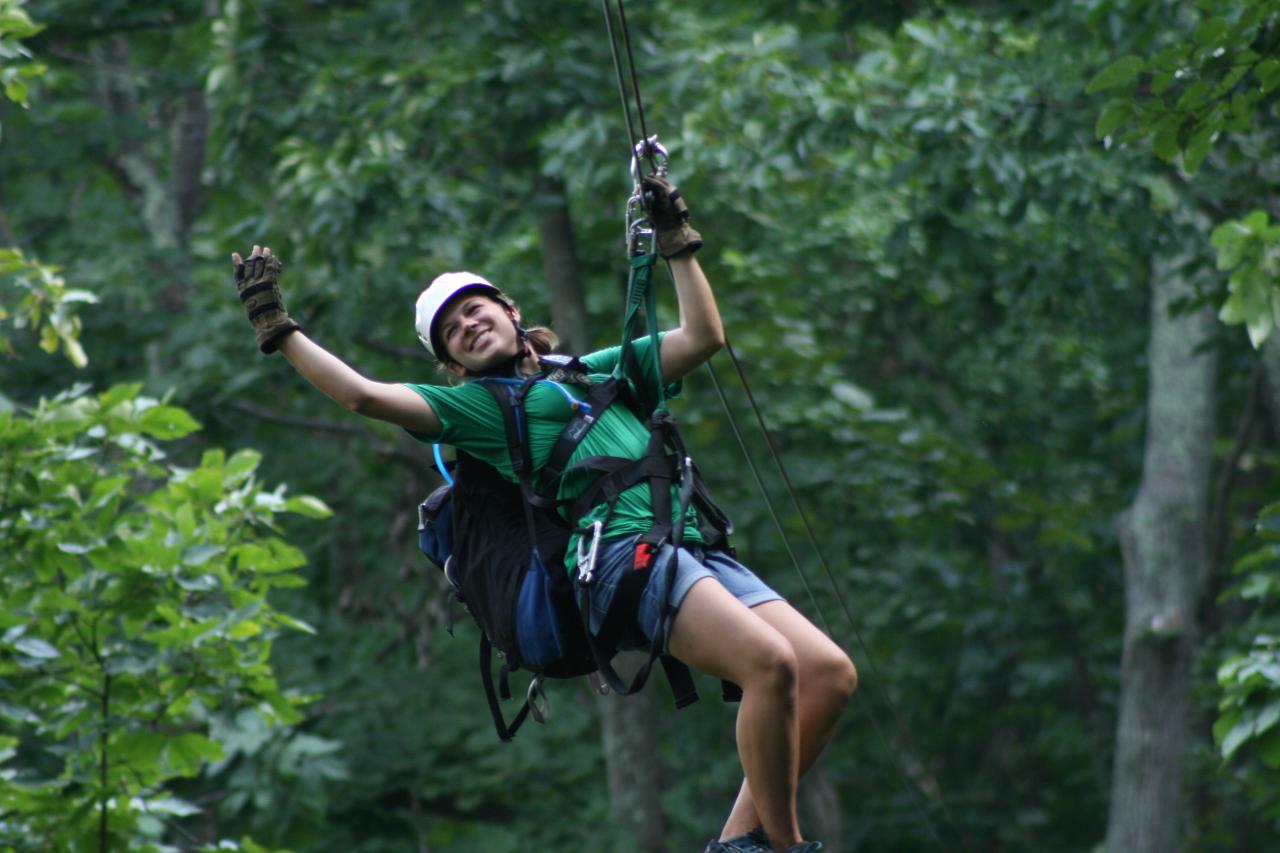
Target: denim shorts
616,556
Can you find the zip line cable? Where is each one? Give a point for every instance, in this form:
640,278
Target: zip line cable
634,154
755,475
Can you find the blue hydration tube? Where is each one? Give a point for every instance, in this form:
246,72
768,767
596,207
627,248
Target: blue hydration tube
444,472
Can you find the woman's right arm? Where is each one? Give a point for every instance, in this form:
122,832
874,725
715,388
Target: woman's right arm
257,282
385,401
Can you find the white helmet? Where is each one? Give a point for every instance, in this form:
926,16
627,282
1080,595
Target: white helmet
437,295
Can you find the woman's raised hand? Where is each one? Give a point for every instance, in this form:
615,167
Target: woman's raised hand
257,281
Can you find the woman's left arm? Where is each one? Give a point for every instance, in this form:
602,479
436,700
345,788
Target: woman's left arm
700,333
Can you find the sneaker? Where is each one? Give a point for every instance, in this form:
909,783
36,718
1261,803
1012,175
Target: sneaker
806,847
754,841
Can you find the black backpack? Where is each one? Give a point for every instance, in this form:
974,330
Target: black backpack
502,547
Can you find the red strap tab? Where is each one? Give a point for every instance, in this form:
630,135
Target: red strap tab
644,556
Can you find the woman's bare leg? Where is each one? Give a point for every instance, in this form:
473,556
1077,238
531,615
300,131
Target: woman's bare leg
716,634
827,681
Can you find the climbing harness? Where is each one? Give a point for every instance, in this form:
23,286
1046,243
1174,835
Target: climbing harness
528,614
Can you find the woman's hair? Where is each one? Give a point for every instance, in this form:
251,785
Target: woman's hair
542,340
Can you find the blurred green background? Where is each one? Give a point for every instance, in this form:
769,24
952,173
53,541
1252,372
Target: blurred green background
988,267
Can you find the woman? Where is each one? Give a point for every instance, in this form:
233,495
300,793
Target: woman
725,621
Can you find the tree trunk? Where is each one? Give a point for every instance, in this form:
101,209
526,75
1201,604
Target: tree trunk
628,724
561,268
636,775
1163,540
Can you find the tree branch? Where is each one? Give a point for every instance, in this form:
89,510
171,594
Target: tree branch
103,736
406,353
320,425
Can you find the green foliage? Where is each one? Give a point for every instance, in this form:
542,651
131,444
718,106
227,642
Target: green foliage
1250,706
136,621
36,298
32,295
17,69
935,283
1249,249
1249,680
1190,91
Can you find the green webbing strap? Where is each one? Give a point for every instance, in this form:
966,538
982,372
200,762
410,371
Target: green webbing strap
640,290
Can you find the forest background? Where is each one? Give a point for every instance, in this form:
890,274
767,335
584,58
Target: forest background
1001,275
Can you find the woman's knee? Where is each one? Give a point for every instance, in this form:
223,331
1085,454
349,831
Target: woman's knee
772,664
836,676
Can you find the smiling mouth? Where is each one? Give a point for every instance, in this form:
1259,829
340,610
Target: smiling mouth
479,337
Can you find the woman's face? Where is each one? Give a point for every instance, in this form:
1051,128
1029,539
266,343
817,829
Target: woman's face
477,332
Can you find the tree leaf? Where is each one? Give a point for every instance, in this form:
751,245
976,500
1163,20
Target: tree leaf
172,806
1210,32
187,752
312,507
1259,326
1198,147
1119,73
1268,73
240,465
36,648
1255,222
1165,142
923,34
198,555
294,623
1236,735
1113,115
167,422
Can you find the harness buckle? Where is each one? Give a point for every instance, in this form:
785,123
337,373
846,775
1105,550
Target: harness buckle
645,552
588,552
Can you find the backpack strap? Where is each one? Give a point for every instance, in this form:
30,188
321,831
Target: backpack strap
599,397
510,399
506,731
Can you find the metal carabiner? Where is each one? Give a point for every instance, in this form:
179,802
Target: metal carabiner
686,481
642,237
587,556
655,152
539,712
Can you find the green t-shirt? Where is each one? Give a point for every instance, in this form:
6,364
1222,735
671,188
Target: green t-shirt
470,420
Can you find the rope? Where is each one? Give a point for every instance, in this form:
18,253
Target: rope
617,70
764,492
632,153
635,84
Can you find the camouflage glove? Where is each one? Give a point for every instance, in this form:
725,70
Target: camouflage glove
670,217
257,278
